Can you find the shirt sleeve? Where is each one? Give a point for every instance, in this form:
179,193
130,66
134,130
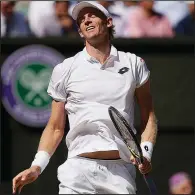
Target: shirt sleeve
58,83
142,73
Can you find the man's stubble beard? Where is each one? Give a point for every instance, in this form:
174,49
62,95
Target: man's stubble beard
98,40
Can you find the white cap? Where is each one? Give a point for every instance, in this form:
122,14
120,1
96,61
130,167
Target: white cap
78,7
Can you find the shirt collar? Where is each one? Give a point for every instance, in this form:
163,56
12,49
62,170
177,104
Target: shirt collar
113,55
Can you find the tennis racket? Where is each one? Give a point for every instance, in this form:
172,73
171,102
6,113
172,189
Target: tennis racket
131,141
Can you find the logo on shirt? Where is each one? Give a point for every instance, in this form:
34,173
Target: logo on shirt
25,75
123,70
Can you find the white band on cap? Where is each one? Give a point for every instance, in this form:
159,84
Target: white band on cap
78,7
147,149
41,159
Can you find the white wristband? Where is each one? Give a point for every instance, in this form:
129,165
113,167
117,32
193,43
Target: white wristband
41,159
147,149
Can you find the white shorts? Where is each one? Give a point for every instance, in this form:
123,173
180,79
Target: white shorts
80,175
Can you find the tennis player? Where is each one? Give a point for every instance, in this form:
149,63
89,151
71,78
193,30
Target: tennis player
83,87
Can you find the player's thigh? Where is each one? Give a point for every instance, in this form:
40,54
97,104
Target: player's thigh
72,177
130,174
115,177
123,178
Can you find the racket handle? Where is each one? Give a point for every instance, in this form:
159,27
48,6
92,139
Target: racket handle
149,181
151,185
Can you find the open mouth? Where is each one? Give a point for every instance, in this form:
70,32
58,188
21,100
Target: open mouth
90,28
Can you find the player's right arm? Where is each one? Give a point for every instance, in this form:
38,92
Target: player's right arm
50,139
54,131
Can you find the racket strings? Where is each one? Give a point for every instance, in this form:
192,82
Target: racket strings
126,135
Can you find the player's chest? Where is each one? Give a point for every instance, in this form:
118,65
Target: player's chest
91,82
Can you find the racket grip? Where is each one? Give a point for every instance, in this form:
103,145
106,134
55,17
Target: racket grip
151,185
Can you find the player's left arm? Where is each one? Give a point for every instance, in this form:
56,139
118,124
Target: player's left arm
148,121
148,118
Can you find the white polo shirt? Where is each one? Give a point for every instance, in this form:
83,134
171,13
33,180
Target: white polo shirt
89,88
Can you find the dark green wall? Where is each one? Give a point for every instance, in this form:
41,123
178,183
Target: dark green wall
172,67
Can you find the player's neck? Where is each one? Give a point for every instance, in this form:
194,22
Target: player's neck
100,51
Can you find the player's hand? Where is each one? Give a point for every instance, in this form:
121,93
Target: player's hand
25,177
145,167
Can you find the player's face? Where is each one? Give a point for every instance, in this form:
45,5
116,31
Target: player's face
93,24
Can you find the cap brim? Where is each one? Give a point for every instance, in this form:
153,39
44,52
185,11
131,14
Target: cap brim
76,10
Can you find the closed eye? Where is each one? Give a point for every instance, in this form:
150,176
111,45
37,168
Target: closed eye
82,19
92,16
